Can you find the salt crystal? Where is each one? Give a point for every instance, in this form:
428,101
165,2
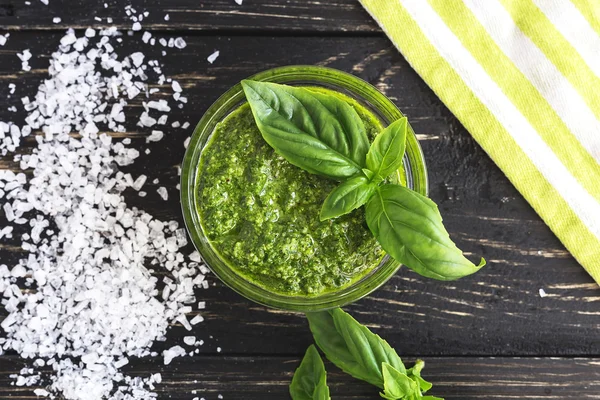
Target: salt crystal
155,136
543,293
146,37
136,26
197,319
162,192
167,17
189,340
211,59
147,120
137,58
239,2
170,354
185,125
160,105
186,142
139,182
121,362
201,305
180,43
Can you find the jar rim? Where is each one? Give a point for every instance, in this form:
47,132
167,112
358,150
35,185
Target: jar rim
348,84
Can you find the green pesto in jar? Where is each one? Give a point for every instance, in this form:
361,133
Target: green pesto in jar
261,214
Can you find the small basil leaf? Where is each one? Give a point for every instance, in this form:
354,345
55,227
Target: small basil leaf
409,228
321,134
347,196
386,152
310,379
351,346
372,176
396,384
415,373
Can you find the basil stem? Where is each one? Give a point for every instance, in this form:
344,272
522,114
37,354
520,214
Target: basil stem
409,228
310,379
319,133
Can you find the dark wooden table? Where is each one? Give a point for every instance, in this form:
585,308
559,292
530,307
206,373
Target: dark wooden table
489,336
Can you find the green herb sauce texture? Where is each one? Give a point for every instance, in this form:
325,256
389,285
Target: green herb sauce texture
261,214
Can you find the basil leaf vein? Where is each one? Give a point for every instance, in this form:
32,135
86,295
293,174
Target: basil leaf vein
347,196
319,133
310,379
352,347
409,228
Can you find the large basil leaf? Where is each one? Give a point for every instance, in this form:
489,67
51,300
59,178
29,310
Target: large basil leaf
319,133
347,196
386,153
409,228
397,385
352,347
310,379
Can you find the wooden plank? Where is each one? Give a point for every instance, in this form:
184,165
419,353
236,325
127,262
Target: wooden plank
268,378
215,15
496,312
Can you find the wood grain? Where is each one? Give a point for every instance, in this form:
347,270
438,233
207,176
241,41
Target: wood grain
260,378
284,16
496,312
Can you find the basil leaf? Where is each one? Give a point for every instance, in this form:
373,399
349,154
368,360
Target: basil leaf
386,152
415,374
397,385
409,228
351,346
431,398
310,379
319,133
347,196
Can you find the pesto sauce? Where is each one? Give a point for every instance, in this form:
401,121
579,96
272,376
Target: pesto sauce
261,214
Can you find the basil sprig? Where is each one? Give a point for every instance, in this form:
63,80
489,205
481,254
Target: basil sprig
310,379
321,134
324,135
356,350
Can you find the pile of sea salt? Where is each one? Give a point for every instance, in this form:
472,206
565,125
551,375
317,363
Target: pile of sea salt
83,299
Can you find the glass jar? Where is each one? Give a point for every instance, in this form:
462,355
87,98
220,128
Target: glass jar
369,97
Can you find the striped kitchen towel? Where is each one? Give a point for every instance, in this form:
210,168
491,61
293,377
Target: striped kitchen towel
523,76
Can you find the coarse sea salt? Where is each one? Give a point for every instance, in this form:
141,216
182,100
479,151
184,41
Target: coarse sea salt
82,299
211,59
